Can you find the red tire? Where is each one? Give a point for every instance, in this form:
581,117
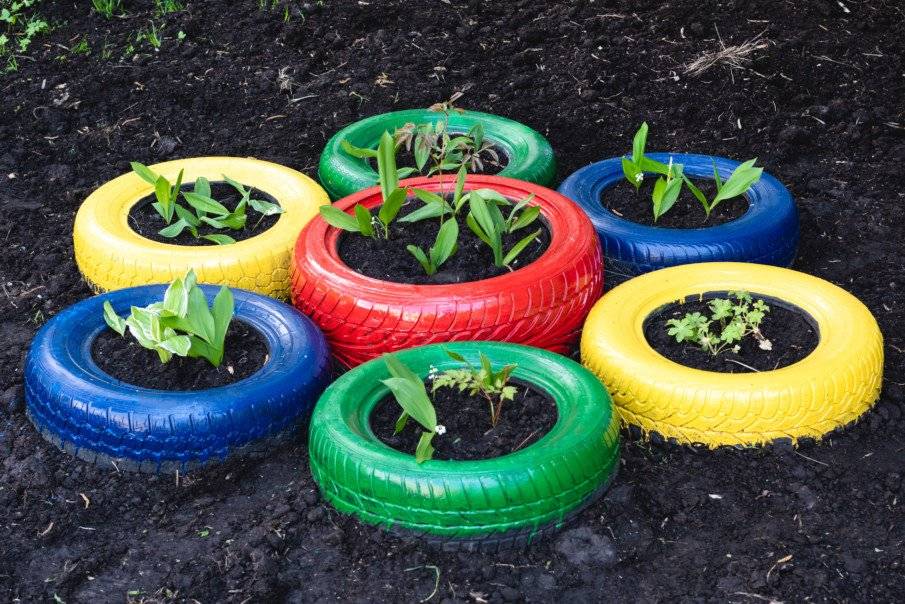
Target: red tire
543,304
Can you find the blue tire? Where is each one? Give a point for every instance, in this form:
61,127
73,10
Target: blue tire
766,234
98,418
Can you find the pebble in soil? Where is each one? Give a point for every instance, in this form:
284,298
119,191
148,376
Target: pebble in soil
469,433
389,260
245,351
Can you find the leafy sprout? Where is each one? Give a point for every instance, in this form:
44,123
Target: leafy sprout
486,221
731,320
411,394
181,324
492,385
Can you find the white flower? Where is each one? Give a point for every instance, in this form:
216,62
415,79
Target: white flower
639,176
736,348
440,429
765,345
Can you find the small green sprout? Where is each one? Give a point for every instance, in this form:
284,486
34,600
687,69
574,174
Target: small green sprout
487,222
443,248
737,316
411,394
165,193
492,385
182,324
106,8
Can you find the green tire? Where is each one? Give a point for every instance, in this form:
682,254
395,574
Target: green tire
486,504
530,155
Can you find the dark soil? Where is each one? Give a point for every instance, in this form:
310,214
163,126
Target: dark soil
145,220
789,331
389,260
469,433
820,106
244,352
687,213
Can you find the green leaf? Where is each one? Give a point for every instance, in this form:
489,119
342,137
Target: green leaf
716,178
339,219
363,217
187,216
391,206
116,323
476,229
527,217
456,356
174,229
492,195
481,213
445,244
359,152
412,397
632,172
477,135
238,186
176,298
404,172
460,185
178,345
399,369
205,204
265,207
429,197
431,210
657,196
650,165
146,174
638,143
222,312
742,179
519,247
425,449
699,195
422,154
203,186
219,239
386,165
162,193
422,259
401,422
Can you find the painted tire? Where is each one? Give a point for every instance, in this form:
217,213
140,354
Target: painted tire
766,234
486,504
96,417
530,155
543,304
833,386
111,255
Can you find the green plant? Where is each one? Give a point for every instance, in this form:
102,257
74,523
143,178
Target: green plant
393,196
669,184
492,385
164,7
487,222
737,316
18,28
410,393
82,48
151,35
181,324
444,247
433,143
106,8
165,193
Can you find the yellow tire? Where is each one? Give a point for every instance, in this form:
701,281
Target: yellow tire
111,255
831,387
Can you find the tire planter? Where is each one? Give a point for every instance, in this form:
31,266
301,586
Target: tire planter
766,234
542,304
530,155
98,418
111,255
485,504
833,386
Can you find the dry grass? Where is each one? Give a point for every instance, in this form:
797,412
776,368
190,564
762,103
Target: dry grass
736,56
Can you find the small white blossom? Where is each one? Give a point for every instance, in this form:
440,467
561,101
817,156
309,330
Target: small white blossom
440,429
639,176
736,348
765,345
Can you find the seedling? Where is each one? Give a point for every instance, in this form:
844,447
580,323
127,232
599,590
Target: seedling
18,29
393,196
443,248
737,316
181,324
492,385
410,393
106,8
487,222
669,185
165,193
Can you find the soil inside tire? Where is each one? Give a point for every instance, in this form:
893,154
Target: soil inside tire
788,328
389,260
145,220
245,352
469,434
687,213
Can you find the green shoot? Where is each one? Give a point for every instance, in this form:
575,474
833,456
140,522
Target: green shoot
443,248
487,222
410,393
737,316
492,385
